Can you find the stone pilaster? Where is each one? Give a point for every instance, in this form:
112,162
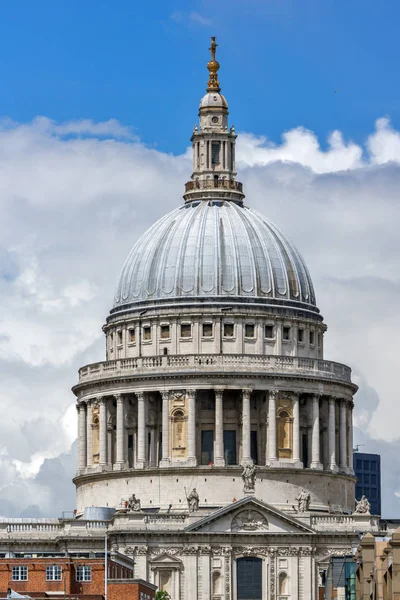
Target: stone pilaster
315,453
82,450
89,430
141,452
246,427
272,457
191,400
165,459
103,432
296,429
120,431
332,435
219,459
343,437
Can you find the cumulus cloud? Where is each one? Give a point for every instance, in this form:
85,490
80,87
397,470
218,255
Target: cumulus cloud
74,197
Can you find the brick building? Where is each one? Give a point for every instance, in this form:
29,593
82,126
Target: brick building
41,576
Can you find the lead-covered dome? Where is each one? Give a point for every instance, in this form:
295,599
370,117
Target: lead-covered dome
214,250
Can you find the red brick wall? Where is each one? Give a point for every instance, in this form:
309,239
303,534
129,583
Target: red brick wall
37,575
124,590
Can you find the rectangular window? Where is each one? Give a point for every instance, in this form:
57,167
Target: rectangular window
374,465
53,573
319,339
207,447
359,465
20,573
147,332
228,329
186,330
300,336
83,573
366,465
165,331
111,339
373,479
215,153
249,330
230,447
207,329
119,338
366,478
269,331
131,334
312,337
286,333
254,446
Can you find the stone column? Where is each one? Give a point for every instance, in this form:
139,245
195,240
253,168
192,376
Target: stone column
191,403
89,444
103,432
272,426
165,459
315,458
120,430
343,436
351,446
296,428
332,435
246,427
141,451
219,459
81,408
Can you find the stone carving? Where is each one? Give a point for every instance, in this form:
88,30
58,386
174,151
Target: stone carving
193,501
135,550
272,579
363,507
249,520
249,477
303,501
133,503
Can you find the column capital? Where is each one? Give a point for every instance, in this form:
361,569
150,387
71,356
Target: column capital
140,395
317,397
191,394
246,392
219,392
273,394
295,395
119,397
332,400
102,400
165,394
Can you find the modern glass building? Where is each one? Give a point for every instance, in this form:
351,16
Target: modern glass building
367,468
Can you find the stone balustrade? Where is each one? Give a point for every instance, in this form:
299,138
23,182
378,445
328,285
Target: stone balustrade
224,363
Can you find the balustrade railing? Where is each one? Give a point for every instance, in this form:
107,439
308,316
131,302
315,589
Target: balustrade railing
238,362
211,184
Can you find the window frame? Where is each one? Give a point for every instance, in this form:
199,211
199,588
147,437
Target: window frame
54,569
203,335
231,324
186,337
249,337
288,329
20,570
83,569
144,330
167,329
267,337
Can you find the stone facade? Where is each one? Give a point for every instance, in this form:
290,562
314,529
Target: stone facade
215,429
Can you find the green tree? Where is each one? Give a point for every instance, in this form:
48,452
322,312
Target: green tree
162,595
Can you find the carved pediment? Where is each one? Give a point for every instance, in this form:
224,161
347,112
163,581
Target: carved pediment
252,516
165,560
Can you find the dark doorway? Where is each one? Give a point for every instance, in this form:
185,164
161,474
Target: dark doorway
304,448
207,447
254,447
249,578
230,447
130,451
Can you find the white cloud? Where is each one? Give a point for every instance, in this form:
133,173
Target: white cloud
74,197
192,17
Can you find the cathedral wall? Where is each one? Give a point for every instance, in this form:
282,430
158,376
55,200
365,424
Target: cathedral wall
216,487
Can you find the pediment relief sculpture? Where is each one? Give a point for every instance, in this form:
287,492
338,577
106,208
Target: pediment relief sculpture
249,520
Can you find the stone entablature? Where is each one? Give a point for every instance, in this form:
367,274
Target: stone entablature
198,364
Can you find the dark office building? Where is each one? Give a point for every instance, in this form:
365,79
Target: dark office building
367,468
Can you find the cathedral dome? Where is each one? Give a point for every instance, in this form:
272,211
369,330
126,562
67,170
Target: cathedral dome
214,250
213,100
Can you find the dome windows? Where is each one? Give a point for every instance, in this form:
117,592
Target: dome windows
186,330
269,332
146,333
249,330
164,331
228,329
207,330
286,333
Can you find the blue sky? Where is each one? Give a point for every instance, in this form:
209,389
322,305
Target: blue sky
144,63
74,179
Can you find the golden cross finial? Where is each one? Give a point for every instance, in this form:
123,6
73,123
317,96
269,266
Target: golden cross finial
213,66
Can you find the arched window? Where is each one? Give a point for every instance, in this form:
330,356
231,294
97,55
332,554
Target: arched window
283,584
178,420
216,582
285,434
